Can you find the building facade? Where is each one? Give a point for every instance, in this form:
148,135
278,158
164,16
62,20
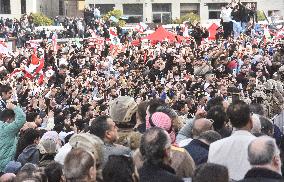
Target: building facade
163,11
157,11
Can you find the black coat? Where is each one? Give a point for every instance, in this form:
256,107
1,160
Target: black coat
157,173
198,151
262,175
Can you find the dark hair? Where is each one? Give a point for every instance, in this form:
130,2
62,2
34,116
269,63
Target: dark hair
99,126
53,172
154,104
218,115
77,164
7,114
179,105
214,102
141,110
153,143
27,138
31,116
5,88
210,136
209,172
239,114
119,168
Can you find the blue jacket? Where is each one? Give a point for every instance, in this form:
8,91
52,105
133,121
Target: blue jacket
9,137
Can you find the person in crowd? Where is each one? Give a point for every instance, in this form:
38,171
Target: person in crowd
6,94
199,148
120,168
264,157
11,122
199,126
220,120
28,151
155,149
106,129
266,126
232,151
79,165
53,172
211,172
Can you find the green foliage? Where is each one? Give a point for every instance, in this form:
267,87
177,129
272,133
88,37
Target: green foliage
41,20
260,16
192,17
117,14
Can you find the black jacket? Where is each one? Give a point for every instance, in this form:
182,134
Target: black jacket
157,173
198,151
262,175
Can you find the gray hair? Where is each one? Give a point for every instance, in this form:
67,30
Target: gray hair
262,150
210,136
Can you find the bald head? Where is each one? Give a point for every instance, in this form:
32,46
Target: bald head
200,126
7,177
262,151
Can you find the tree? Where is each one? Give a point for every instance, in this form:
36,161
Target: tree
260,16
117,14
41,20
192,17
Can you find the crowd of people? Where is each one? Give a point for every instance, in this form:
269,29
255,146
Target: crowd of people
184,110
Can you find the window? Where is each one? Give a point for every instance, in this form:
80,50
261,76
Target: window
186,8
104,8
91,6
23,7
162,12
5,7
61,9
215,10
134,12
273,13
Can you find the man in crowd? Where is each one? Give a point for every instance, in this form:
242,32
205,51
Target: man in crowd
155,148
232,151
106,129
264,157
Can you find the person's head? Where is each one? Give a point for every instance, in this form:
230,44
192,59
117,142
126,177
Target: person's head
79,165
105,128
30,136
266,126
155,146
53,172
217,101
263,152
209,172
162,120
153,105
209,136
200,126
240,115
219,116
7,116
6,92
7,177
34,117
181,106
120,168
257,108
141,111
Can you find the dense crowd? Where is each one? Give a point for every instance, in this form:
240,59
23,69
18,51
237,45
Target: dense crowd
177,110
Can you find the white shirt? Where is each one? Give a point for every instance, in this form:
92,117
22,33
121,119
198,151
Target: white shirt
226,14
232,152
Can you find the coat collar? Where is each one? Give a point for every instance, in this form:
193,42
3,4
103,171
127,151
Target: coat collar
262,173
